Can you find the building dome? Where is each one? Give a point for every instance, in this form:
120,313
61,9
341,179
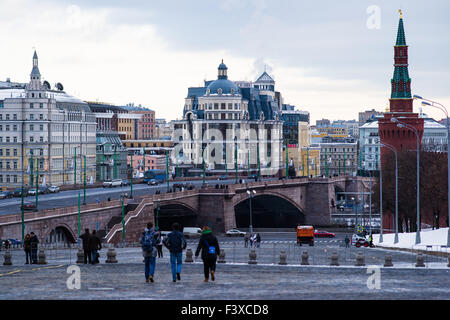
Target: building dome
222,85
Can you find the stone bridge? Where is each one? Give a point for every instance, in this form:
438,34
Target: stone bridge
313,197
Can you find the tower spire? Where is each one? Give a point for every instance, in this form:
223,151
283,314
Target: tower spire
401,99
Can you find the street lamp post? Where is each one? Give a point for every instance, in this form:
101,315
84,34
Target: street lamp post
122,196
131,177
84,188
396,194
404,125
431,103
157,214
250,196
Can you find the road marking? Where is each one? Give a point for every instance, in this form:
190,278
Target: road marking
9,273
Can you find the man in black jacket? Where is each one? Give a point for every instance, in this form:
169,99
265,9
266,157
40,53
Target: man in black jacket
34,247
87,252
209,246
95,244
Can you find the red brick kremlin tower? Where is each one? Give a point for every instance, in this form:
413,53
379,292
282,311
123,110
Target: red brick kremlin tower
400,103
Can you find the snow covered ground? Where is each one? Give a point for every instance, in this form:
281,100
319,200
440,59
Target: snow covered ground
431,240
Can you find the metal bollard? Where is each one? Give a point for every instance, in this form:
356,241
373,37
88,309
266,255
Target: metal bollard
221,256
252,257
189,255
80,256
41,257
388,260
111,255
360,260
334,259
305,257
7,261
283,258
419,261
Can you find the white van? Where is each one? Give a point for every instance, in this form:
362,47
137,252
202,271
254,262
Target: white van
192,232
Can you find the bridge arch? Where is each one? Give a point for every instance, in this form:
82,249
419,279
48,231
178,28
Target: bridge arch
61,233
168,212
269,210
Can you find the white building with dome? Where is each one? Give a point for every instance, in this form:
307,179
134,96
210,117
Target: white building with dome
224,119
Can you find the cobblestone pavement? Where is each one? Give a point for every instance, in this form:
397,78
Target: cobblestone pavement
235,279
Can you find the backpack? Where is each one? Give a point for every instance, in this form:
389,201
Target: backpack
175,242
148,241
211,249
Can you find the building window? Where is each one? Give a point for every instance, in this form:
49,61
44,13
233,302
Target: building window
41,117
31,116
15,127
41,127
15,139
7,116
31,105
15,179
15,164
15,152
31,139
41,105
41,139
31,127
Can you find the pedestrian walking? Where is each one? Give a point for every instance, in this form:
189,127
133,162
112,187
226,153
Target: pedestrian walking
258,240
159,244
347,242
95,244
246,240
34,241
87,252
176,243
149,251
27,248
209,246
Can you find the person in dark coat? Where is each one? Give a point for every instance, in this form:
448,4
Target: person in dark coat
34,241
205,244
87,252
246,240
258,240
95,244
27,248
347,242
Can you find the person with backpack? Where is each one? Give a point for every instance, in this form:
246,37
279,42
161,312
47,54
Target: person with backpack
95,244
209,246
176,243
148,242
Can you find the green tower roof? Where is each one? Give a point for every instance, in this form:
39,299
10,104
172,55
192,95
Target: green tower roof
401,40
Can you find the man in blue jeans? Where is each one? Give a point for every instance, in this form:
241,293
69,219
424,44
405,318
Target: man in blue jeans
176,243
149,251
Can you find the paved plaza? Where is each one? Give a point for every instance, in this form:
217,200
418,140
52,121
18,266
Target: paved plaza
235,279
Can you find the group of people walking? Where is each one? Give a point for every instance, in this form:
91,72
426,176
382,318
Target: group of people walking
91,246
254,239
175,242
30,246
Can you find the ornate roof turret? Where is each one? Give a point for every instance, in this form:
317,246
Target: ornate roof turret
35,71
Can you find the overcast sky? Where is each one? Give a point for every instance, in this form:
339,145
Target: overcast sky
331,58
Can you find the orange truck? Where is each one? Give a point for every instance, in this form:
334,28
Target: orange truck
305,234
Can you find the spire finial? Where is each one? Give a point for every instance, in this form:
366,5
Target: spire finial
401,14
222,60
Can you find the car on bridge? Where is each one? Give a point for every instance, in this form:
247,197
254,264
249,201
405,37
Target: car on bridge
223,177
153,182
126,182
112,183
6,194
29,206
323,234
53,189
235,232
18,192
